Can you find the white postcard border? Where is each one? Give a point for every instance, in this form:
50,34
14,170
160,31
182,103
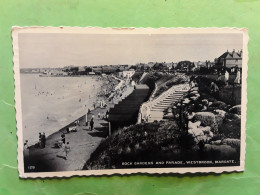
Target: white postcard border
99,30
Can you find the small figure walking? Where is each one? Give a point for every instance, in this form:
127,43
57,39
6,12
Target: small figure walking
107,114
91,124
43,138
67,150
26,144
40,140
63,138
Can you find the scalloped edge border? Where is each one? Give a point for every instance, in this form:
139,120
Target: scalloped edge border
126,30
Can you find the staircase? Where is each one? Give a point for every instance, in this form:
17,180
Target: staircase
154,110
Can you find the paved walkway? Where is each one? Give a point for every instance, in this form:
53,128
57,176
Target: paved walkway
82,143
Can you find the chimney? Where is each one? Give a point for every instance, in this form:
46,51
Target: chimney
241,52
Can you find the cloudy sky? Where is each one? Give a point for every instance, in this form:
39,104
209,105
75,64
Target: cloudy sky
59,50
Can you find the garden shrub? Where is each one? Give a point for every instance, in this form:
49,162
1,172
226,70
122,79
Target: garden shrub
231,129
235,110
219,105
207,119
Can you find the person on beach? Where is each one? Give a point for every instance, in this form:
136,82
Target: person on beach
26,144
68,130
77,125
91,124
26,152
67,150
63,138
40,140
87,117
43,138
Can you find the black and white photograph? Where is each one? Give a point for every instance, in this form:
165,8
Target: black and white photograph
101,101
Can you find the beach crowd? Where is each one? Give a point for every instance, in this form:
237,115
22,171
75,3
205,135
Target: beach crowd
111,91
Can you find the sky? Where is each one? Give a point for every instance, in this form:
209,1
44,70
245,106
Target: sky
58,50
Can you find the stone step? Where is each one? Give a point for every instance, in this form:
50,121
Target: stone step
158,109
167,101
170,98
161,106
163,103
174,95
156,114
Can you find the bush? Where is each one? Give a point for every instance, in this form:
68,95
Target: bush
219,105
230,116
140,142
177,81
231,129
207,119
235,110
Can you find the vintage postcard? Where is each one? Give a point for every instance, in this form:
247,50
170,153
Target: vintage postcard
102,101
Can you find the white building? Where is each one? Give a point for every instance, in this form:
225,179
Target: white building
128,73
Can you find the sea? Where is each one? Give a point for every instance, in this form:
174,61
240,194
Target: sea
50,103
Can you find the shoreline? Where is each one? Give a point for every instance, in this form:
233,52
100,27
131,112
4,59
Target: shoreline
82,142
59,108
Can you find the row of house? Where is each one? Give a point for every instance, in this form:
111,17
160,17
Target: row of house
231,60
226,60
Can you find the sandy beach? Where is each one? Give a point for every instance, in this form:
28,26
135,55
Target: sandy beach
82,142
50,103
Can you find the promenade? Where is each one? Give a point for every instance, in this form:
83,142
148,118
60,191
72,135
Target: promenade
82,142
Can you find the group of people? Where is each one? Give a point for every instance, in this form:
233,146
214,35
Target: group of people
108,87
42,93
117,94
65,146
